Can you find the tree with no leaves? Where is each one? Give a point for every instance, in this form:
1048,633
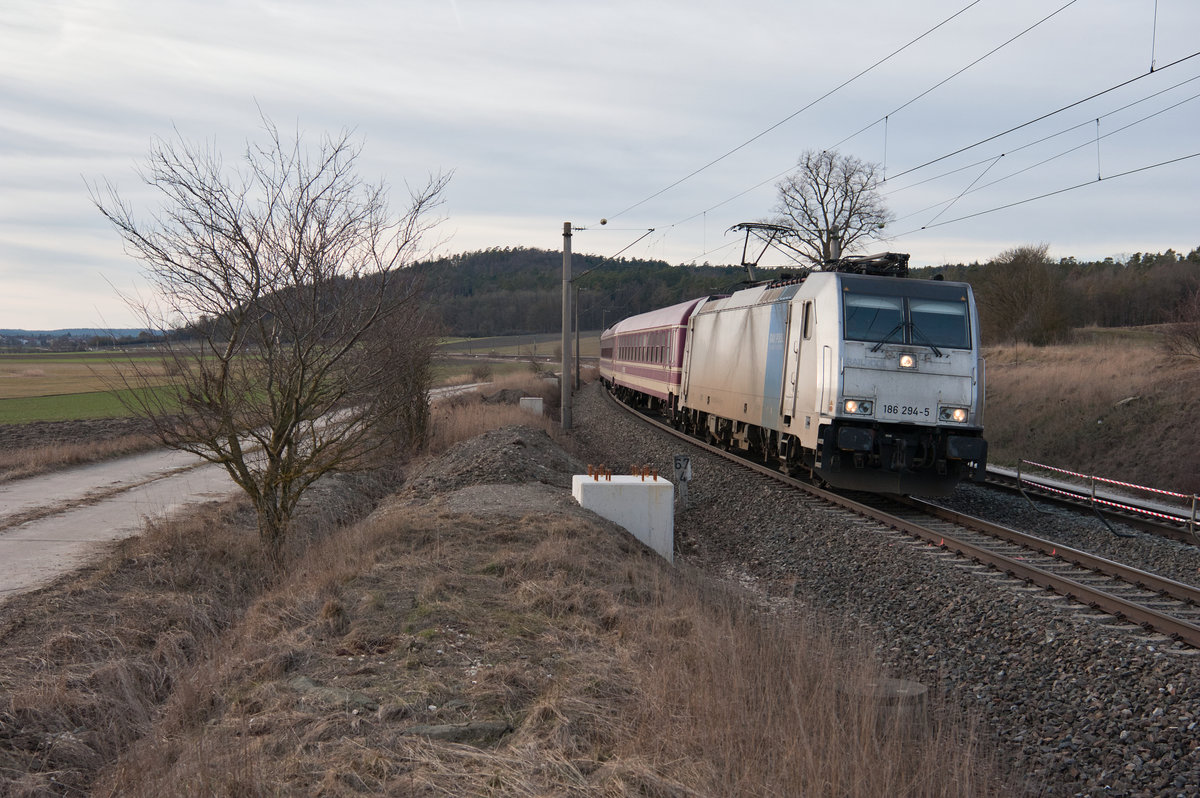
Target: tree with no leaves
833,203
1021,298
1181,338
297,344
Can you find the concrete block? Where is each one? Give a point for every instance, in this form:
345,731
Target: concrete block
532,404
644,507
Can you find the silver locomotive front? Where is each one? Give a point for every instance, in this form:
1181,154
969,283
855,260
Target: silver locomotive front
906,414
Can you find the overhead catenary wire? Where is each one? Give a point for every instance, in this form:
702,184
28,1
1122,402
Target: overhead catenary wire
951,77
1065,152
602,261
793,115
1035,120
886,119
962,149
995,161
1153,35
1064,131
1027,200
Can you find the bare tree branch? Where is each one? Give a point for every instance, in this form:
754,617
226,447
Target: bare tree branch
832,203
1181,338
299,346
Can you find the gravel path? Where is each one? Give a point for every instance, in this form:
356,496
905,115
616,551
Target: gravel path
1085,704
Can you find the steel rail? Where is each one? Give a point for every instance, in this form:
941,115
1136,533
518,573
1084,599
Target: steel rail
1146,617
1074,496
1134,576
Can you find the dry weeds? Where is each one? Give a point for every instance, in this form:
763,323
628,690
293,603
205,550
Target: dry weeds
88,661
41,459
429,653
1119,409
463,416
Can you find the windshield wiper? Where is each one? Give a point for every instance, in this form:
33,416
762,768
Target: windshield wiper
915,331
887,337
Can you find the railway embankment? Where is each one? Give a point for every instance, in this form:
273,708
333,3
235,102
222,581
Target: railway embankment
480,633
1112,404
1083,704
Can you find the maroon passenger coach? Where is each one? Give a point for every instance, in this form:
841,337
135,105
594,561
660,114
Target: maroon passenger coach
644,354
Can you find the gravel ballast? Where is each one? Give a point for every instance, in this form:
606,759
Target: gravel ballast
1082,703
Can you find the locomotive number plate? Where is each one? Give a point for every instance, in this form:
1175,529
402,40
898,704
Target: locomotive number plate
907,411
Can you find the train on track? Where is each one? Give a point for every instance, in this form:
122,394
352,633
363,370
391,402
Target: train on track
854,374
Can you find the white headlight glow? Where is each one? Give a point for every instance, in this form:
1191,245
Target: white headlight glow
956,414
857,407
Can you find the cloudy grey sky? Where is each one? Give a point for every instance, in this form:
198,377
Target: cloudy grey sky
555,110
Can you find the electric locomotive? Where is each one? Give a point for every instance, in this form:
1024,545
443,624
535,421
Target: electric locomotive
855,374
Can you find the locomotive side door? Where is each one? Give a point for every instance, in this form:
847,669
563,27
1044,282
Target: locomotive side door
791,362
798,381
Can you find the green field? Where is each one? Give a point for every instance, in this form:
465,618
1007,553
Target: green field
541,345
63,387
64,407
452,371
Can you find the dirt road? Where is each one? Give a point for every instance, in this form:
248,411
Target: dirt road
54,523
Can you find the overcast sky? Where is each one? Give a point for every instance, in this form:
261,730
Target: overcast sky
555,110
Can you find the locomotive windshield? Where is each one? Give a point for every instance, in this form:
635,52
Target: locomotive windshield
917,313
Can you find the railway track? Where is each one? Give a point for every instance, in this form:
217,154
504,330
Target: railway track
1153,602
1146,515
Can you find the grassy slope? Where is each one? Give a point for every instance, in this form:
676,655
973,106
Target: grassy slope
1113,406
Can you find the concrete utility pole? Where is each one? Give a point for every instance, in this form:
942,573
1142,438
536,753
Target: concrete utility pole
565,381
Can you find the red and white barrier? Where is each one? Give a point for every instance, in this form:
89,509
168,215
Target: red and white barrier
1180,518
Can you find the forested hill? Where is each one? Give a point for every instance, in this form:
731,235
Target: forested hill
1022,294
509,291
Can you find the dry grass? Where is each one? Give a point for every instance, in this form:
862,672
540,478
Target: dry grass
31,461
464,416
424,653
569,661
88,661
1116,408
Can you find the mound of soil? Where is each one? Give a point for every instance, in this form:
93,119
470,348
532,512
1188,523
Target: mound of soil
510,455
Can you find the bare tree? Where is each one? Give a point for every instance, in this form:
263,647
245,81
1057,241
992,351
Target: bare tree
1181,338
833,203
1021,298
298,346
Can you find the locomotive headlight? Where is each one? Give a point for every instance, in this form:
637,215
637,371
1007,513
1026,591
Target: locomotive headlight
857,407
907,361
958,415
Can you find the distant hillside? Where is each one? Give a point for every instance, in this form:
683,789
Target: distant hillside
517,290
74,332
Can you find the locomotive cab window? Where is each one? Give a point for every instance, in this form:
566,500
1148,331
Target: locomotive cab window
874,318
940,323
932,317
